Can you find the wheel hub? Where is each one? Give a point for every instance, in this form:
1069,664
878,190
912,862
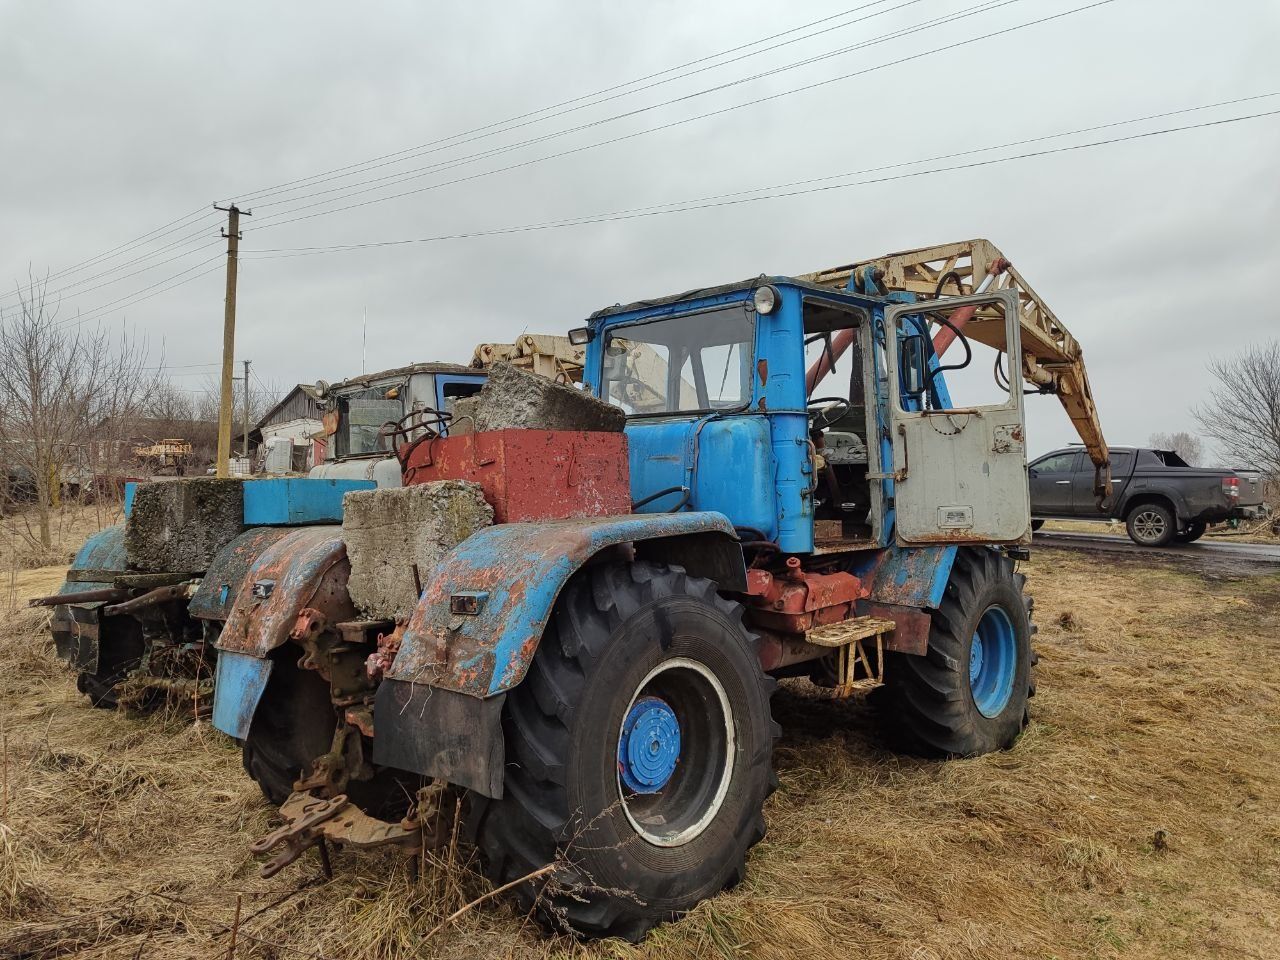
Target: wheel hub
649,746
993,662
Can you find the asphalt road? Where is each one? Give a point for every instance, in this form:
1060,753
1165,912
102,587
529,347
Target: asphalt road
1202,553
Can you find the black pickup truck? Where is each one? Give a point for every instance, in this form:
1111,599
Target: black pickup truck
1159,496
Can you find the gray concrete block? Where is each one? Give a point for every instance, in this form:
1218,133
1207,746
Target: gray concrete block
516,399
179,525
389,530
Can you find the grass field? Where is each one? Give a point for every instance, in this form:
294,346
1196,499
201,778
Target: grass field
1137,817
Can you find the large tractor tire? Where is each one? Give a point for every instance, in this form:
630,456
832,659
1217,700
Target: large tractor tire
639,755
121,647
293,725
968,695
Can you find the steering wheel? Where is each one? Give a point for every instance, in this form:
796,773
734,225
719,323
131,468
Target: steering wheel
426,419
824,411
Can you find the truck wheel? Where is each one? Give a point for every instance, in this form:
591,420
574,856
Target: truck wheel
1036,524
639,754
968,695
1193,533
293,725
1150,525
120,652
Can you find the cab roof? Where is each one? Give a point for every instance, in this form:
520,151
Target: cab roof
399,373
707,293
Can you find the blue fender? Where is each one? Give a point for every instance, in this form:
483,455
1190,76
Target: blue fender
75,626
103,553
275,574
513,573
438,710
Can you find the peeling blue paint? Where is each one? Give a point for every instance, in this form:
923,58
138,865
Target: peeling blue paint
522,567
239,681
290,501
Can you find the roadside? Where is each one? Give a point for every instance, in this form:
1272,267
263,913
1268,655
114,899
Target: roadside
1137,817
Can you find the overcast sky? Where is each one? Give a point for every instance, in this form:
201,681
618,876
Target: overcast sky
119,118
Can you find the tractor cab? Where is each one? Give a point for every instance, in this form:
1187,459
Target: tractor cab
368,416
816,420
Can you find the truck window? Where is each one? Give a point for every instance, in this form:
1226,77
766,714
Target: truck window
1121,463
1057,463
1170,459
700,362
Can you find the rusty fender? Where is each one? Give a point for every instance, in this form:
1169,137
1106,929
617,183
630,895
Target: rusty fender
305,567
481,617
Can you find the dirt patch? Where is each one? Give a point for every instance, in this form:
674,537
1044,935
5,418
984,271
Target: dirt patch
1137,817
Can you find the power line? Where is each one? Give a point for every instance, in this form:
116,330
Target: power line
350,190
711,203
161,231
630,136
174,225
178,224
99,312
187,240
461,139
573,100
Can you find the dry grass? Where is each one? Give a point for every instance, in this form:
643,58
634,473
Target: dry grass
1136,818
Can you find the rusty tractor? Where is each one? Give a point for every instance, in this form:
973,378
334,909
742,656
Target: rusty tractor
572,615
144,600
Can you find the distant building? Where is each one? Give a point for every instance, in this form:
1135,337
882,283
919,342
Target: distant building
293,421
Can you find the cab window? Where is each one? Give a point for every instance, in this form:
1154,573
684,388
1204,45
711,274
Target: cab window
1058,463
699,362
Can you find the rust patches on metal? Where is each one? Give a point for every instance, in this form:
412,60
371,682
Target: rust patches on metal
762,370
306,568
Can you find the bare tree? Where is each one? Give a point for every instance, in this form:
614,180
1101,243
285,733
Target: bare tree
67,394
1186,445
1242,414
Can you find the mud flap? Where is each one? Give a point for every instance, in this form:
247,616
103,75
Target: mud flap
440,733
238,685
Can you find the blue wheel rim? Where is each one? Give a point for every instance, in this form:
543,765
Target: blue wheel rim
993,662
649,746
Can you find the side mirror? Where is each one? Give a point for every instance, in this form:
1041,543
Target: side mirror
913,361
1032,472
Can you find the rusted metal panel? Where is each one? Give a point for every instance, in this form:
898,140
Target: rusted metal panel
519,568
531,475
440,733
307,568
221,583
909,576
911,626
799,600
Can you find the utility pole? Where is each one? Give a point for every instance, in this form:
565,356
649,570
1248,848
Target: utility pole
245,438
232,233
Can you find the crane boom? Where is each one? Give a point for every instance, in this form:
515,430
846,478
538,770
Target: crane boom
1052,360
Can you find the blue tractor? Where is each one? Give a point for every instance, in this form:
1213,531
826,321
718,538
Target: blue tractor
811,498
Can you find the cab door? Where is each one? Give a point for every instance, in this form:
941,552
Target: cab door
959,471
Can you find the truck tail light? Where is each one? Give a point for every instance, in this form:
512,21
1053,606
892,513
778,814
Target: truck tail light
1231,487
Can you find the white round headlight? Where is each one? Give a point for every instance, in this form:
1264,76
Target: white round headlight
765,300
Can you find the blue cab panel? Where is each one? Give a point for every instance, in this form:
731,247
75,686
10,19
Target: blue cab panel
726,464
291,501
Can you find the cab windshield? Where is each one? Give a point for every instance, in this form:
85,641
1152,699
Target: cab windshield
698,362
360,418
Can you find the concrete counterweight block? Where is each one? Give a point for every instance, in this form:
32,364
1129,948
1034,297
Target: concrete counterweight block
516,399
177,526
388,531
